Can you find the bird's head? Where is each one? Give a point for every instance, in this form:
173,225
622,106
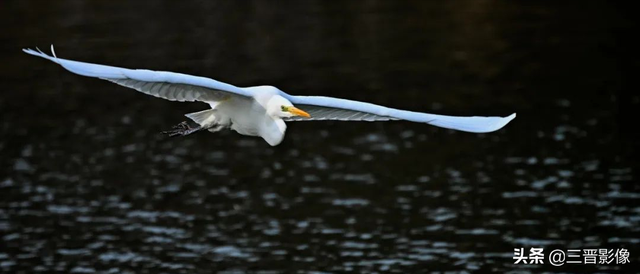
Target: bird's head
280,107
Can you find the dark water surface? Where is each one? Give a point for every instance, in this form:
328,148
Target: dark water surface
88,185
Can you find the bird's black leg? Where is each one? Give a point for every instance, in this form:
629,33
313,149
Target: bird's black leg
182,129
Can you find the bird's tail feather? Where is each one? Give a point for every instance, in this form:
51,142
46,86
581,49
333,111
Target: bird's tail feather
205,118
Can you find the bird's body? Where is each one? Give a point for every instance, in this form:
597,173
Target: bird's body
261,110
254,119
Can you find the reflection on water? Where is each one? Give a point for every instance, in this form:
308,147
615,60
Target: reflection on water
87,185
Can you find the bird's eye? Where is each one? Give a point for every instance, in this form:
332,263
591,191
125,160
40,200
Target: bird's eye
285,109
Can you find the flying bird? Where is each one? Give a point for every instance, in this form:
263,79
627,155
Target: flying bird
260,110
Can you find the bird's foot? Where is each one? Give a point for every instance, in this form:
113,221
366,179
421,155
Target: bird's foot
182,129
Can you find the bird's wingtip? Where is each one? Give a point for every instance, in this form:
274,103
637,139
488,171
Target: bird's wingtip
53,52
498,123
40,53
31,51
506,120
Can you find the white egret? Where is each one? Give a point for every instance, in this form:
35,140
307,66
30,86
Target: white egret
260,110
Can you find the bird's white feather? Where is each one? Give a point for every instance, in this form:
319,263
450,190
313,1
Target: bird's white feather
477,124
319,113
205,118
175,92
169,85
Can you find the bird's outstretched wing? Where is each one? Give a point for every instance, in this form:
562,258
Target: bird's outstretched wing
328,108
167,85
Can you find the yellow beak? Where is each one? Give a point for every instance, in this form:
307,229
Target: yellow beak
298,112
